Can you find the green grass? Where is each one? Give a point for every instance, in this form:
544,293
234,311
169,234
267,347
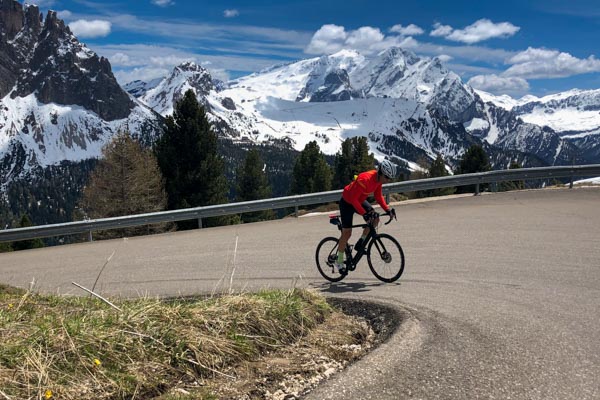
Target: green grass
75,348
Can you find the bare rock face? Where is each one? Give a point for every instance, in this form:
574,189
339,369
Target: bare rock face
44,57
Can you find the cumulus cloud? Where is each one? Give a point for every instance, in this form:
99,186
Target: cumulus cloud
410,30
441,30
328,39
481,30
499,84
89,29
543,63
364,37
163,3
231,13
332,38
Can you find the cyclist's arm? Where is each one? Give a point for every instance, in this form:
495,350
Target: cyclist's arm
380,200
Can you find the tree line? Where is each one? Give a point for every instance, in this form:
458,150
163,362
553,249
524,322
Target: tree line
184,168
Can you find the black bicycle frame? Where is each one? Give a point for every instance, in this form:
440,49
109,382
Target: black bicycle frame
353,260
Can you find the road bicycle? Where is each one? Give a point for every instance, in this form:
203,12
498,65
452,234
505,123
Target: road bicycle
384,253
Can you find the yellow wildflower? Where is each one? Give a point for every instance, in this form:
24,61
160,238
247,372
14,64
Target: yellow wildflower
97,362
48,394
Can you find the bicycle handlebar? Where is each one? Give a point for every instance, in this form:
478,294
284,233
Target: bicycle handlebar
391,214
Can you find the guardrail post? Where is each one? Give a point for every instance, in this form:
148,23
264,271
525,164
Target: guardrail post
571,184
199,223
387,198
477,189
90,237
296,210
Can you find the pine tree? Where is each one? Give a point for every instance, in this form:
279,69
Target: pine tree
353,159
188,157
474,160
252,184
512,185
27,244
438,169
126,181
311,172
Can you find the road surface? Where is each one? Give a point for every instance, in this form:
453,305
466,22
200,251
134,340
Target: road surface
500,297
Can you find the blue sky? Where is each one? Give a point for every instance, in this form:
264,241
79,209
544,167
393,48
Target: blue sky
505,46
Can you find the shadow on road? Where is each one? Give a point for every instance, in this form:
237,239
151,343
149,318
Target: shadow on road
345,287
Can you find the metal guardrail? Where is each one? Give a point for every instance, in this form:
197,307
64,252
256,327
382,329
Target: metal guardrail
71,228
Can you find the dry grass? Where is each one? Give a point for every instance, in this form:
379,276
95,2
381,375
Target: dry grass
78,348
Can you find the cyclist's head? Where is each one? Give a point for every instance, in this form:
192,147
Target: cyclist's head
387,169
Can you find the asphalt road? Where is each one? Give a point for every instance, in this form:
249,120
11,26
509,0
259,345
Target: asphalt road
500,297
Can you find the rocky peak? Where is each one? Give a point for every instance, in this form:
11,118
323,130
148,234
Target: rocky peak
49,60
11,18
335,88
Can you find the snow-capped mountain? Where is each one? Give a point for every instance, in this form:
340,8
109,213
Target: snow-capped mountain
574,115
59,101
409,107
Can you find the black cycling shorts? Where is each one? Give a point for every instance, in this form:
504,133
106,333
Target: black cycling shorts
347,212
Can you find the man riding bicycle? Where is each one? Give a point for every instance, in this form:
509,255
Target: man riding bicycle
354,199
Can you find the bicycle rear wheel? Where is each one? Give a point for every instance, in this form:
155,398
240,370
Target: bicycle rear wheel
326,256
386,258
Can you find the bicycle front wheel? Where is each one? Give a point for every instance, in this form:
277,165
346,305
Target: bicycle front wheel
386,258
326,256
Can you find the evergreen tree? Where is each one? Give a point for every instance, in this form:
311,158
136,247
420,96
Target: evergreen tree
512,185
474,160
252,184
27,244
311,172
353,159
189,160
438,169
126,181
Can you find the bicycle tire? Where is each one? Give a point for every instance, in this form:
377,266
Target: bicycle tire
384,247
323,259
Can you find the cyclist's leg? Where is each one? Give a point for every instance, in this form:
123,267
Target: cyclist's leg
368,207
346,214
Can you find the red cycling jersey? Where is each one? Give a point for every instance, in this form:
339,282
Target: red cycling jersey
363,186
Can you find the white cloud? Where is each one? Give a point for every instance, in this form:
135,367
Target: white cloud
171,60
328,39
89,29
445,57
41,3
138,61
120,59
536,63
440,30
410,30
499,84
239,38
64,14
231,13
163,3
481,30
364,38
332,38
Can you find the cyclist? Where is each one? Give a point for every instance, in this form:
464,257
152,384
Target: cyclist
354,200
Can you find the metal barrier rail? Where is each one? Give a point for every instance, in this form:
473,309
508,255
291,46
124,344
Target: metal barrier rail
78,227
